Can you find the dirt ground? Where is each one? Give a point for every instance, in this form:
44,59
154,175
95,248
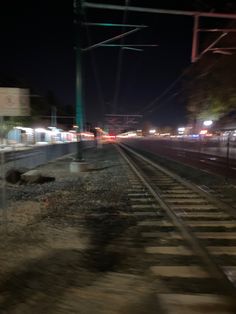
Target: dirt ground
70,246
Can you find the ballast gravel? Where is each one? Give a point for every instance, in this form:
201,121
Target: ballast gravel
69,246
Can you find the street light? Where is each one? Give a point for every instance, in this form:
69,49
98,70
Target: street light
152,131
181,130
207,122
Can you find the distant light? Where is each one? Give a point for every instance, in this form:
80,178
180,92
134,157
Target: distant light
152,131
164,134
203,132
109,136
127,134
181,130
41,130
87,134
207,122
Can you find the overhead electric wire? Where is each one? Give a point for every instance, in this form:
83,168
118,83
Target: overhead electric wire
120,61
119,70
95,69
148,109
158,98
165,101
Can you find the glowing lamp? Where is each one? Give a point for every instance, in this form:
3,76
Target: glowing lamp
207,122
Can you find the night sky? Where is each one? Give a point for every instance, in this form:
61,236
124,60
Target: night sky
37,47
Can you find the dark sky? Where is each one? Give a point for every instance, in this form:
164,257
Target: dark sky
37,46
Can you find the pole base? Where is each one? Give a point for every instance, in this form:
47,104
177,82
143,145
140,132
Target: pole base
78,166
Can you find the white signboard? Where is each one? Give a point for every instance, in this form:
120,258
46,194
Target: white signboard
14,102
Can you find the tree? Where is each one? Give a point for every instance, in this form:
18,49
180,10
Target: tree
210,84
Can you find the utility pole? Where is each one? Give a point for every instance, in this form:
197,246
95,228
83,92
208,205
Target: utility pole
78,10
79,81
54,116
195,39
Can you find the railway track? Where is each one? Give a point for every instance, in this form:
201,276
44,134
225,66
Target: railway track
189,237
206,161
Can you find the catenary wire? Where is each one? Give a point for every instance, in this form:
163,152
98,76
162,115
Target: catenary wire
95,68
149,109
120,62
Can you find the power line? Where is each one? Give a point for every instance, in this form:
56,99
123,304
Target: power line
164,102
148,109
120,60
95,69
153,102
127,8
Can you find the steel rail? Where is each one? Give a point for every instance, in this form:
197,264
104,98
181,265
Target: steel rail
231,211
187,234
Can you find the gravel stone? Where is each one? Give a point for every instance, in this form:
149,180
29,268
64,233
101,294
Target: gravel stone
71,246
